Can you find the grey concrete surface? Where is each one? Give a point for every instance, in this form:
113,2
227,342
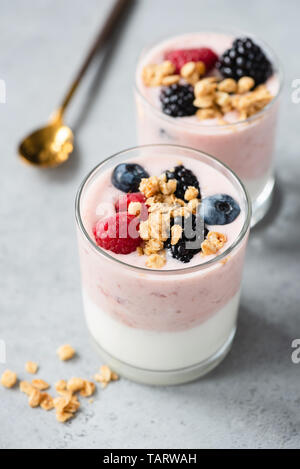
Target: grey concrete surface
253,399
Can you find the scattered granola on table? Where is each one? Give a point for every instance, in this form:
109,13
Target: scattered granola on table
46,401
9,379
65,352
31,367
66,404
40,384
61,385
105,376
88,388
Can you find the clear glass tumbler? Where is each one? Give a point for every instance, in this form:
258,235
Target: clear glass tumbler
161,326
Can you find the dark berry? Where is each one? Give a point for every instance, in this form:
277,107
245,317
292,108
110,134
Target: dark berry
219,209
177,100
127,176
180,57
194,232
245,58
118,233
185,178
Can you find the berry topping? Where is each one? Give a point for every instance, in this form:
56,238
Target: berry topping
138,204
118,233
180,57
219,209
123,201
245,58
177,100
185,178
127,176
193,234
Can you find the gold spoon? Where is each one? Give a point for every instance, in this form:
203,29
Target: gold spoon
51,146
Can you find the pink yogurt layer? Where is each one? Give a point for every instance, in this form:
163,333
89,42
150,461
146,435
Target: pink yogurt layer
160,300
246,147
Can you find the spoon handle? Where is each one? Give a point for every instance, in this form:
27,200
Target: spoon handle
100,40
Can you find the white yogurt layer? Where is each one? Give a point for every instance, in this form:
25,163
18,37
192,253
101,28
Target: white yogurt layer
161,351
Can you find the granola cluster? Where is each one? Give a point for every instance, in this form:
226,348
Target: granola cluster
9,379
214,97
213,243
105,376
65,352
66,404
164,74
35,395
31,367
163,206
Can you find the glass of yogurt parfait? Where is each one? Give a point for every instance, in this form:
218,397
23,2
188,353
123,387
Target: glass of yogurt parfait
217,93
162,232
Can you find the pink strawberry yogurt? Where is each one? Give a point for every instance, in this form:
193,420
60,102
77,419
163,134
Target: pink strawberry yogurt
245,146
151,323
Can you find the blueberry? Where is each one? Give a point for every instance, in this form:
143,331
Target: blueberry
127,176
219,209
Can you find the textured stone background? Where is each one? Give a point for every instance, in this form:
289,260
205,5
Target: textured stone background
253,398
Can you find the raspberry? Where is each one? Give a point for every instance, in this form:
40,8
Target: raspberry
118,233
124,200
180,57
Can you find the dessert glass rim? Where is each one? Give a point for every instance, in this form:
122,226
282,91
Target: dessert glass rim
181,270
178,122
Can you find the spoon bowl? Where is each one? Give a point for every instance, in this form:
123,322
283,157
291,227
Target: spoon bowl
49,146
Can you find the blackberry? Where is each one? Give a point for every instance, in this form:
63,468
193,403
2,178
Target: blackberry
190,225
177,100
245,58
185,178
